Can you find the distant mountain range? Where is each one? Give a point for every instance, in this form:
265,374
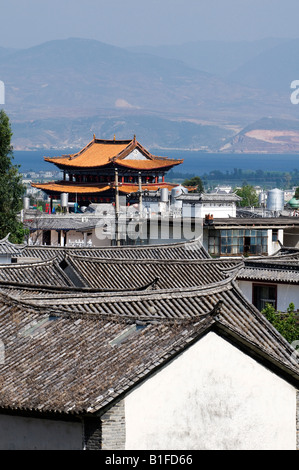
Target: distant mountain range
220,58
197,95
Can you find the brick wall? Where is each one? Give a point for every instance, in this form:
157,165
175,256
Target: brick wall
114,428
92,439
107,432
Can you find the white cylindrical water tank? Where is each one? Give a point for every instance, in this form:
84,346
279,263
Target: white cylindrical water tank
175,192
178,190
262,198
26,203
275,200
64,199
164,194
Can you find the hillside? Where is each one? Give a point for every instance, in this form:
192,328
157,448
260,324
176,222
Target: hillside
59,93
85,74
273,69
266,135
152,131
220,58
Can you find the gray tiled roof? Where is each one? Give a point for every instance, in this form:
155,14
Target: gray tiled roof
77,268
280,270
47,272
65,354
76,349
192,249
113,273
209,197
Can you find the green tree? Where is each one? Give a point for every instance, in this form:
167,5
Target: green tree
297,193
196,182
248,195
11,187
286,324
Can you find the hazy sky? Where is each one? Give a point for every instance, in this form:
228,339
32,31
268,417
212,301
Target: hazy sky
24,23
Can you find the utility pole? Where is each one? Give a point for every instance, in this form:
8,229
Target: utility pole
117,208
140,194
140,206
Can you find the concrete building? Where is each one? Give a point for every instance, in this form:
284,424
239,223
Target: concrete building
243,236
272,280
220,205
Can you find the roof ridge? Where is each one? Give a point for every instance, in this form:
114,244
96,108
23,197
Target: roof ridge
187,244
203,261
131,295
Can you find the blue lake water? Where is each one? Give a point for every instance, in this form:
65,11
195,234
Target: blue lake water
194,162
200,163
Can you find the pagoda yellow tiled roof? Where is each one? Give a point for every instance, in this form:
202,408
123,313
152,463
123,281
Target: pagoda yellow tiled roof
100,153
132,188
74,188
147,164
93,155
93,188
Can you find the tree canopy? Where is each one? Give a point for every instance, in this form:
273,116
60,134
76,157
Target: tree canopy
194,182
11,187
248,195
286,324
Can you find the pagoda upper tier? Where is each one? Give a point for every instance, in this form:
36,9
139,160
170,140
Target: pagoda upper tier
92,170
121,153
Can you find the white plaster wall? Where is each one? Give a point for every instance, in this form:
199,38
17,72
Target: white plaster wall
212,396
287,294
73,236
246,288
273,247
200,211
22,433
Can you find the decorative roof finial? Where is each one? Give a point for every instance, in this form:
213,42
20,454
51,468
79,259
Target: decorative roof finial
94,137
134,137
114,137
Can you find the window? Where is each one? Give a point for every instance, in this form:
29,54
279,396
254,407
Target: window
238,242
264,294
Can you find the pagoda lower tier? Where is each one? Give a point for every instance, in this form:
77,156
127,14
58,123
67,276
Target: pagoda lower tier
85,194
103,166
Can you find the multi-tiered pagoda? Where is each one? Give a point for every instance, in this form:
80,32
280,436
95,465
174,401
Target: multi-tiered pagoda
89,176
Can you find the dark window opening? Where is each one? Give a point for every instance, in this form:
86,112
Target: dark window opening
246,244
263,295
47,237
